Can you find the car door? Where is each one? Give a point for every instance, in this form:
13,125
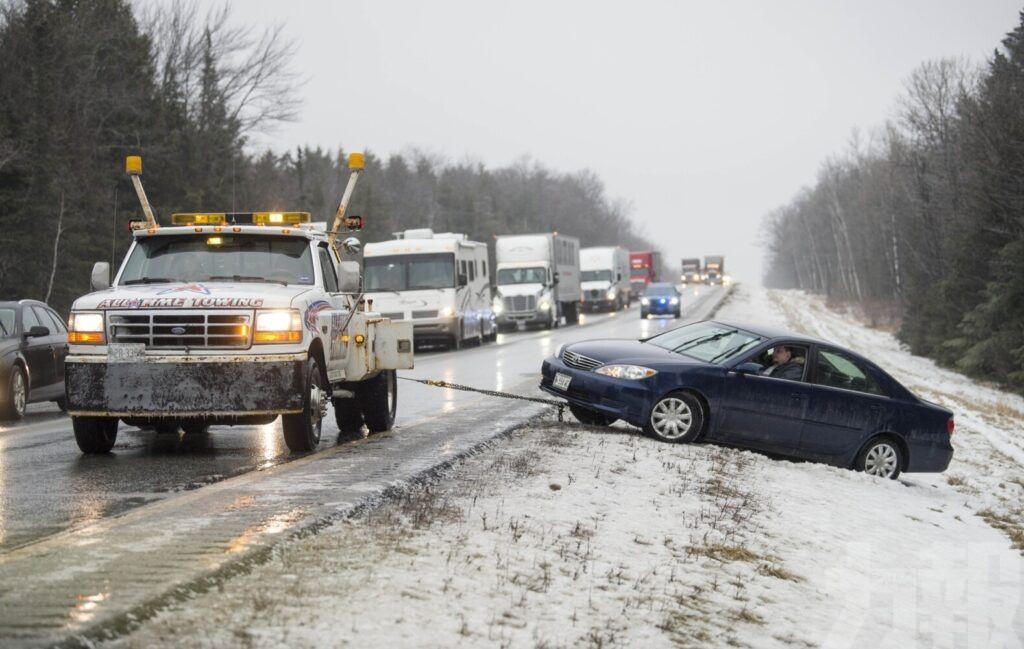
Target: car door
59,341
846,406
37,352
764,412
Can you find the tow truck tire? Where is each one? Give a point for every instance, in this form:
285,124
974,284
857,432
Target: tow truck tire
302,430
95,435
379,399
349,418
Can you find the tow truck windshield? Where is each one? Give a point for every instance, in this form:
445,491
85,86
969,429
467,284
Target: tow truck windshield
219,257
409,272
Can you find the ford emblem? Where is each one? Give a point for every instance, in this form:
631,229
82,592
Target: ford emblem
177,331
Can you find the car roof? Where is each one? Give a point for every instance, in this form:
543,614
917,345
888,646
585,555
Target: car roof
16,303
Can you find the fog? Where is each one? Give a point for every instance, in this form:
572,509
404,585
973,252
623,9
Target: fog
703,116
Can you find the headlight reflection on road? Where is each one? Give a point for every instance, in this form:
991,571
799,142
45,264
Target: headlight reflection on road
86,607
271,438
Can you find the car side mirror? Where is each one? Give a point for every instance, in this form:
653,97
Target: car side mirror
348,277
38,331
463,280
747,368
100,278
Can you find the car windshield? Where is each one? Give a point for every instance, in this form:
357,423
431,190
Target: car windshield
217,257
8,323
710,342
522,276
661,289
409,272
596,276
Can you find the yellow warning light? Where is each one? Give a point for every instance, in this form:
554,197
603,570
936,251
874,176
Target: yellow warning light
214,241
360,339
133,165
291,218
356,161
276,217
192,218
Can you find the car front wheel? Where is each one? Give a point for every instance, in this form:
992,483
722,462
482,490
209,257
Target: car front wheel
677,417
881,457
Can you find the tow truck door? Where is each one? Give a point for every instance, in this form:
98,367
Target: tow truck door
331,321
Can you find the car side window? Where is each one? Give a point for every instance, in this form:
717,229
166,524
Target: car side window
327,270
29,319
43,315
782,361
838,370
61,326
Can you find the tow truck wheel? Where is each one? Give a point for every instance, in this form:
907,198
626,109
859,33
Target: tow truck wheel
302,430
379,397
95,435
349,418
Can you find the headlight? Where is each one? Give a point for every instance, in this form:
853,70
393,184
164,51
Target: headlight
86,328
544,305
447,312
674,300
610,294
644,300
278,327
631,372
498,305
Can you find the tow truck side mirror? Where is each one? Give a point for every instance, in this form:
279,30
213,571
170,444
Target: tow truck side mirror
348,277
100,276
463,280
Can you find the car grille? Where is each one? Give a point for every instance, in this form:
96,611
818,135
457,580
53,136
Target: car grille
425,314
516,303
579,361
181,329
394,315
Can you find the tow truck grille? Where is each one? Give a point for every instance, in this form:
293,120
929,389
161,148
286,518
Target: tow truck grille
181,329
515,303
579,361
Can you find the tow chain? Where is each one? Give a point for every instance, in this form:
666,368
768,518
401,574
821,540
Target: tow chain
491,393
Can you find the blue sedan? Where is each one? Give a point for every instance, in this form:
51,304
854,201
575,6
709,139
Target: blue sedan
755,387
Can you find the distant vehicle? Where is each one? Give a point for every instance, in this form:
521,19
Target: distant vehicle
707,381
538,279
605,278
438,281
643,269
714,269
691,271
661,298
33,345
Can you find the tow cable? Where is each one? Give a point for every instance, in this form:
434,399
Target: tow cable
491,393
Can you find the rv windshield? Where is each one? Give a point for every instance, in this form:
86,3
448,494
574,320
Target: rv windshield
409,272
596,276
522,276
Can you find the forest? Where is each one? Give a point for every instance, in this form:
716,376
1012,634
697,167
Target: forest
920,224
83,83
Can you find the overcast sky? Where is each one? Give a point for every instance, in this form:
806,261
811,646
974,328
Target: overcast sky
703,115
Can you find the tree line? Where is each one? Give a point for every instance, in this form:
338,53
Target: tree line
922,223
83,83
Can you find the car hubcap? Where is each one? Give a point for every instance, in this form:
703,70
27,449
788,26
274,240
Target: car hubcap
671,418
18,392
881,461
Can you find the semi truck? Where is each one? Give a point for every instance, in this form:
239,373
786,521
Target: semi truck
714,269
233,319
438,281
605,278
538,279
643,269
691,271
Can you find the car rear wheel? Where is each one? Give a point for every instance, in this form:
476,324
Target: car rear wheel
17,395
677,417
95,435
302,430
881,457
379,399
590,417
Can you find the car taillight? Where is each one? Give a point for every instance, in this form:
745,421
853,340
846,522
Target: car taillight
949,426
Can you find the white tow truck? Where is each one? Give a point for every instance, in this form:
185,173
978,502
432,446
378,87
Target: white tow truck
233,319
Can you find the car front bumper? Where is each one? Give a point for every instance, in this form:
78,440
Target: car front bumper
622,399
175,386
658,308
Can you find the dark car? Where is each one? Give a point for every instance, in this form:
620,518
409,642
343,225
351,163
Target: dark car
33,345
726,383
661,298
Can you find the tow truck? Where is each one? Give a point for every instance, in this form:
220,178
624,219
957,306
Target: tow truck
233,319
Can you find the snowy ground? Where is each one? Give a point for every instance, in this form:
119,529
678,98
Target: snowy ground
564,535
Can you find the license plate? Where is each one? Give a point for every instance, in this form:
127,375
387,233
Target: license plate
561,381
125,352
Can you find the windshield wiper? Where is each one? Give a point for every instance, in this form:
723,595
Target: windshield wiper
151,280
246,278
735,350
690,344
5,329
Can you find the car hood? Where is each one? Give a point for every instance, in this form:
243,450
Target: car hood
632,352
195,295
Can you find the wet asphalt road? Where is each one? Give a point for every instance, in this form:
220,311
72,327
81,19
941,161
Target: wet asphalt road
47,485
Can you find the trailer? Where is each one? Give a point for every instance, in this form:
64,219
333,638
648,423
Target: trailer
644,268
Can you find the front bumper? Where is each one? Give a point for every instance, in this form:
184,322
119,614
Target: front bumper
598,305
658,308
622,399
523,316
434,328
165,386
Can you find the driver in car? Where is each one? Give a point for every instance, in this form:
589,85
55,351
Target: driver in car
784,365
